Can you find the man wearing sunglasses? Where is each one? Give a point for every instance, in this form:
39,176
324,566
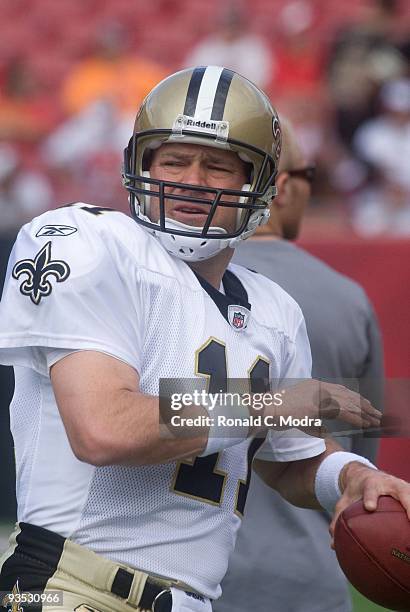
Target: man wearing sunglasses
295,569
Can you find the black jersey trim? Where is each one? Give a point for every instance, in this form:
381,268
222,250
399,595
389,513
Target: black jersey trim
235,293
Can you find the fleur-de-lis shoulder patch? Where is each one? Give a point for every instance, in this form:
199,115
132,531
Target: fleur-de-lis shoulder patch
37,270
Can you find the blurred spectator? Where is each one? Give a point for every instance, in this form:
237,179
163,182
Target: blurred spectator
299,50
365,56
84,155
24,192
100,95
234,46
27,112
383,143
382,210
84,134
112,74
298,88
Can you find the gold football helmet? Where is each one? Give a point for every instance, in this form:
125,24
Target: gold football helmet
216,107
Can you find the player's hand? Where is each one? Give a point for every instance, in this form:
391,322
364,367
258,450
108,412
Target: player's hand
358,481
321,400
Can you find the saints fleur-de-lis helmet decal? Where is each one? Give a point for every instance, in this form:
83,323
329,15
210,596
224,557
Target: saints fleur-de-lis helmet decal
37,285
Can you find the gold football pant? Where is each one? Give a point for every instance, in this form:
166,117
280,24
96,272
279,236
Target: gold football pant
41,570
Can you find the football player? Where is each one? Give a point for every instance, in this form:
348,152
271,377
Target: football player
115,511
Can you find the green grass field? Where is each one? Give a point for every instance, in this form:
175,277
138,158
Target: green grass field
360,604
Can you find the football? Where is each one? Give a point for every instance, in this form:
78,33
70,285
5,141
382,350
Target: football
373,549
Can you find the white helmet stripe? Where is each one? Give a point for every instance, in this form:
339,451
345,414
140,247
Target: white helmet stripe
207,93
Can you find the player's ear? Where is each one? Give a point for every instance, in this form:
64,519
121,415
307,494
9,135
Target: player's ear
283,186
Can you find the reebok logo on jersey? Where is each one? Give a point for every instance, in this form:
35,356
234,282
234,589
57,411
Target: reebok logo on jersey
37,285
56,230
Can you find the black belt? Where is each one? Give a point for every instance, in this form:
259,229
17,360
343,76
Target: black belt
154,597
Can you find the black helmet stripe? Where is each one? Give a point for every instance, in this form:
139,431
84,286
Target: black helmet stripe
221,94
193,91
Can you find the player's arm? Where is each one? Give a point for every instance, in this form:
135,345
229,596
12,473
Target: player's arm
297,482
108,420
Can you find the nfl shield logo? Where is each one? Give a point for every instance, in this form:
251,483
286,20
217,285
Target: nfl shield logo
238,317
238,320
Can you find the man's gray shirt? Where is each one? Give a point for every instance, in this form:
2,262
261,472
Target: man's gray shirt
283,561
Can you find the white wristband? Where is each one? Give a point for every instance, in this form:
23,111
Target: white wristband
228,431
327,488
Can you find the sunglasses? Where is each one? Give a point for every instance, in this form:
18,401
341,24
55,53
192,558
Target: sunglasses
307,173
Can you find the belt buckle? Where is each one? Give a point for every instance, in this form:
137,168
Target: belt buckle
158,597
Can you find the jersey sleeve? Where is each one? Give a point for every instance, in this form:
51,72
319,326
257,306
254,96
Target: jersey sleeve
70,291
293,444
298,361
290,445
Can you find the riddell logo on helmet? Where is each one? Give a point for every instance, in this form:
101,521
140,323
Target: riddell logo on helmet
201,124
218,128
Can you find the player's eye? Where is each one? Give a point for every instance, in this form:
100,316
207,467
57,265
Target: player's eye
219,168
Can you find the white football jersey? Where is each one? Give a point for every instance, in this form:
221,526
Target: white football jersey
82,277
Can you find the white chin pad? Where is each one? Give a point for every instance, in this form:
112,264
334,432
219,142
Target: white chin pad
193,248
178,225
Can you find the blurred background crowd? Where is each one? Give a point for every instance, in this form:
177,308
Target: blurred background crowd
73,73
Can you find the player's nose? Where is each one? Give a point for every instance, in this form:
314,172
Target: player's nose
194,174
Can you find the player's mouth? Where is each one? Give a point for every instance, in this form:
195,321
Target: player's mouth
190,213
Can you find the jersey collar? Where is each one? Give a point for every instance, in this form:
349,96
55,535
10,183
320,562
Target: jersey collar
235,295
